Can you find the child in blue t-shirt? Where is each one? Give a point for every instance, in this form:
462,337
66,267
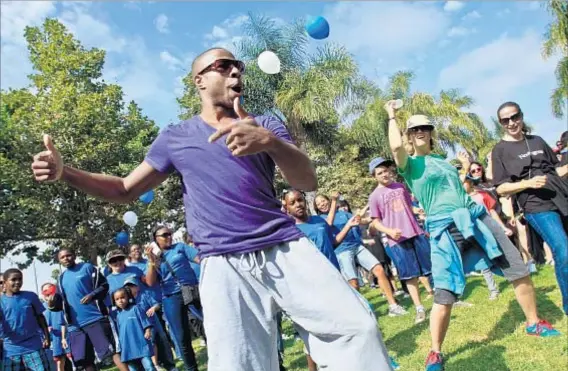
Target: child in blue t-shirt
57,329
143,298
22,324
134,332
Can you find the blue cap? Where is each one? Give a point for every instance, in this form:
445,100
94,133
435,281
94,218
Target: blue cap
131,280
376,162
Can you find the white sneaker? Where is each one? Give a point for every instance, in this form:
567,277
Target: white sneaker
396,311
420,316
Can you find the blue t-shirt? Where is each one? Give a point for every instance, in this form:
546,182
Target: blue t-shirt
116,280
230,202
77,282
145,301
321,234
155,291
20,327
195,266
353,239
132,322
178,256
55,320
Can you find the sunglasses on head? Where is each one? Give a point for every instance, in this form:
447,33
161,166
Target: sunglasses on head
516,117
420,128
223,66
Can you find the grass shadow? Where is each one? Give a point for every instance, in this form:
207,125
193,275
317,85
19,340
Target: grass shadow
486,358
509,321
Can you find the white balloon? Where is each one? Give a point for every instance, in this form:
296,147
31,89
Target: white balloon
269,62
130,218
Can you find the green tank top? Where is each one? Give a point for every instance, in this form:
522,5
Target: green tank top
436,184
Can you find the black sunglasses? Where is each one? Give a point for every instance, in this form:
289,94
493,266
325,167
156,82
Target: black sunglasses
165,235
516,117
223,66
116,260
423,129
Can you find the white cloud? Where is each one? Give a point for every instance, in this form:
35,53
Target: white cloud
162,23
170,61
227,34
453,6
374,30
491,76
14,17
471,15
459,31
217,33
91,31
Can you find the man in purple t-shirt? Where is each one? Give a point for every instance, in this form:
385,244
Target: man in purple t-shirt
391,209
255,262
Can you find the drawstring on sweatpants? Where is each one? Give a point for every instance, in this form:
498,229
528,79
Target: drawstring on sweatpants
250,261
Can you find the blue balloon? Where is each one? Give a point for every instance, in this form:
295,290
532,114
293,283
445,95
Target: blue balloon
318,28
147,197
122,238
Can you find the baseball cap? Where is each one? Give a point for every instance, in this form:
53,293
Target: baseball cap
376,162
131,280
115,254
418,120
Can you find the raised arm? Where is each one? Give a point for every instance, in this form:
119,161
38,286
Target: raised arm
332,208
395,137
353,222
48,166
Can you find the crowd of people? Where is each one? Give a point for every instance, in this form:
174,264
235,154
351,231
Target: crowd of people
249,257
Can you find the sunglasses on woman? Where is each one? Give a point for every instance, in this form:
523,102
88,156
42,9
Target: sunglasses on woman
165,235
423,129
516,117
223,66
475,170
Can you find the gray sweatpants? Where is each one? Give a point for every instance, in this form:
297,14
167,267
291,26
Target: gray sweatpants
241,294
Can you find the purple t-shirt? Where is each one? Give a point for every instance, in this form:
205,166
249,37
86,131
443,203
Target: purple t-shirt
230,202
393,206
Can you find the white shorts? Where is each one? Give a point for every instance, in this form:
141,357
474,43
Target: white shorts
241,294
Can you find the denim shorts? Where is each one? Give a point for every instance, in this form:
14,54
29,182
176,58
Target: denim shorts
349,259
411,257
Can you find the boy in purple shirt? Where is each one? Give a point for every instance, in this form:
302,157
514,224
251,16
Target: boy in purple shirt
391,209
253,256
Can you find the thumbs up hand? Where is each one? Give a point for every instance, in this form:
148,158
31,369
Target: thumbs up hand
244,137
48,165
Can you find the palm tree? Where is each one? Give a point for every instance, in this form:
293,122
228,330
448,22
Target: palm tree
557,41
311,94
454,125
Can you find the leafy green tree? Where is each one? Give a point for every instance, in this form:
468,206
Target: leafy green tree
94,130
557,42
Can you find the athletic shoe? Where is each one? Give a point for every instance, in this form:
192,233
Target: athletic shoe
394,365
493,295
434,361
396,310
420,316
463,304
542,329
532,266
398,293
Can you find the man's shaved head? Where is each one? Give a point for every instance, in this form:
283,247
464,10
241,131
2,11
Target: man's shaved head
207,57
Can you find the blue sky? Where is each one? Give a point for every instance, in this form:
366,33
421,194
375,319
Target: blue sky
489,50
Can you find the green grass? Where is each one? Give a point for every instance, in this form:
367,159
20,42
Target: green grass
488,337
